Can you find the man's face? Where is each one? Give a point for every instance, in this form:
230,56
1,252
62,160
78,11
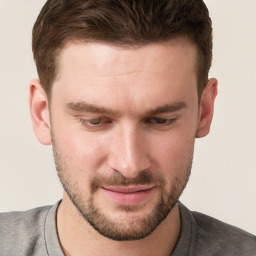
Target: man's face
123,124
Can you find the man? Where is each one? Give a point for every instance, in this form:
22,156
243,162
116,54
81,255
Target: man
123,92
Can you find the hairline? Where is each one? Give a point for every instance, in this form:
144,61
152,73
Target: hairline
124,46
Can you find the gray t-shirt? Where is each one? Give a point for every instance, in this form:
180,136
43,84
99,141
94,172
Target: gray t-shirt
34,233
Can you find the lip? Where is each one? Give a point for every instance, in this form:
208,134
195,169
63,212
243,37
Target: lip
128,195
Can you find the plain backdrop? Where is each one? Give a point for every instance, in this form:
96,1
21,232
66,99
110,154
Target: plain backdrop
223,181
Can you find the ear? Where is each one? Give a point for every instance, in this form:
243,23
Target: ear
206,108
40,116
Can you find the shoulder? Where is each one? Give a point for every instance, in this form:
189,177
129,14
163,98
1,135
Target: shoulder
214,237
22,231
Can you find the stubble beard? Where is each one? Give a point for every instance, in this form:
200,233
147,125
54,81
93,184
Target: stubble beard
119,230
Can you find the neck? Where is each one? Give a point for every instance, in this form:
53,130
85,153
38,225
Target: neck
72,227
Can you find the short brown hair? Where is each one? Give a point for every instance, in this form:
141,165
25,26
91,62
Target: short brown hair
122,23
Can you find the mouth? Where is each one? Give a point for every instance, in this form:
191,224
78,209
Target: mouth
128,195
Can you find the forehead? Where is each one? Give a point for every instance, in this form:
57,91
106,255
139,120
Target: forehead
106,75
100,58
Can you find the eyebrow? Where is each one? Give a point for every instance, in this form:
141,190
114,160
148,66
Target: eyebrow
90,108
167,108
86,107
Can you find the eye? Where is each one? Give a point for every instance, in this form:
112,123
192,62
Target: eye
160,121
95,122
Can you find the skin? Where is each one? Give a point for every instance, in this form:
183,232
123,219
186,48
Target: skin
127,130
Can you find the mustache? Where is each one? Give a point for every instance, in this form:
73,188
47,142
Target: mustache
117,179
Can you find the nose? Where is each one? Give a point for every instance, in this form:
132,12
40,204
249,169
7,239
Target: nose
129,152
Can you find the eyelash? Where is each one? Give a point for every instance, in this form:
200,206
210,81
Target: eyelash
87,121
167,121
158,121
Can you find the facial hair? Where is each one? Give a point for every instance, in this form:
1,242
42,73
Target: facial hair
120,230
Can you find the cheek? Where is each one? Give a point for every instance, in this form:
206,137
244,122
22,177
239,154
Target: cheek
83,151
174,154
79,160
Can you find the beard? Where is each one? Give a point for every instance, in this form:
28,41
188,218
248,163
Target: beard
121,229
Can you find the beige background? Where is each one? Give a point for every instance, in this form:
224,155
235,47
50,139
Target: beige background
223,182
